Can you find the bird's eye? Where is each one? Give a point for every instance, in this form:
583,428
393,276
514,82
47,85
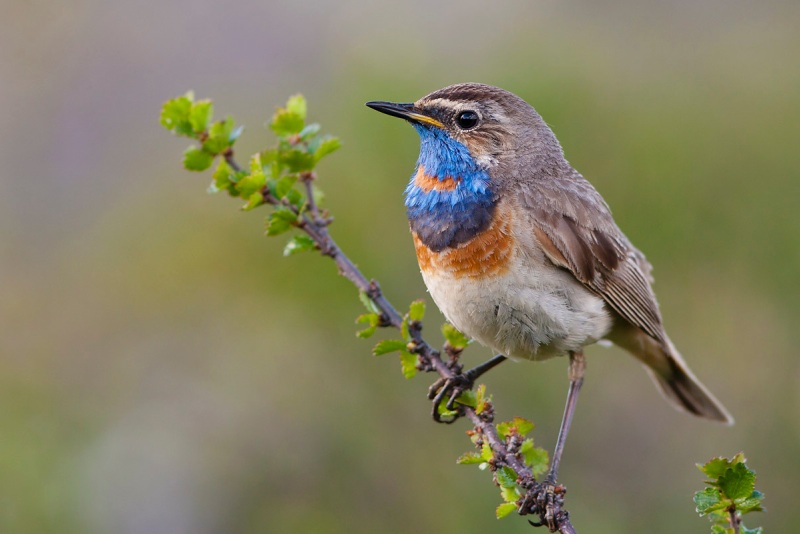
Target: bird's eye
467,120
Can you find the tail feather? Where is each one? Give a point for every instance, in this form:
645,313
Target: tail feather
687,393
672,376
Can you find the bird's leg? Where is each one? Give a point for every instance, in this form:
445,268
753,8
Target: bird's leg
474,373
453,387
549,498
577,365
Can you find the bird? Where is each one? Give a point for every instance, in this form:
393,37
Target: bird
521,253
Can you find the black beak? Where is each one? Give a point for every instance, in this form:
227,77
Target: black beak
404,111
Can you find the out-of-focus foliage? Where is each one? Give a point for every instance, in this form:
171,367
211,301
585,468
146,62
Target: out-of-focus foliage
276,170
163,368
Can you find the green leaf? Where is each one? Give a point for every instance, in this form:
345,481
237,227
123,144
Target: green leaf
235,133
297,105
271,158
480,393
387,346
456,339
325,147
221,136
505,509
253,182
408,363
370,318
416,311
222,178
404,330
467,398
536,457
286,214
250,184
367,302
309,131
285,123
175,115
745,530
254,200
750,504
367,332
737,482
708,500
522,426
486,452
283,185
509,494
276,225
719,529
256,167
297,160
200,115
506,477
197,159
470,458
715,467
443,411
298,243
296,199
280,220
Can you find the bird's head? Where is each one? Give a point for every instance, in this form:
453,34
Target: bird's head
472,127
477,141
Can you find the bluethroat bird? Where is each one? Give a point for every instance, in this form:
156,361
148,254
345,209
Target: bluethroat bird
521,253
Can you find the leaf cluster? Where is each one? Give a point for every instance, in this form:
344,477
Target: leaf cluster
186,117
514,433
281,175
730,494
406,346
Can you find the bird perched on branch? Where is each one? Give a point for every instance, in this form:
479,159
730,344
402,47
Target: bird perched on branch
520,252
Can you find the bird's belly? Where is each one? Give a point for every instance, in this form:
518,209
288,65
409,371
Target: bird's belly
526,310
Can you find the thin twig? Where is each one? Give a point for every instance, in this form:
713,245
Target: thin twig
734,519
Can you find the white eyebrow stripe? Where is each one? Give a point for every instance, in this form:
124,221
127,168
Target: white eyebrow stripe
441,102
455,105
497,114
487,109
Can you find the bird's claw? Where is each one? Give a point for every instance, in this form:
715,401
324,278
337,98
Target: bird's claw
450,388
547,505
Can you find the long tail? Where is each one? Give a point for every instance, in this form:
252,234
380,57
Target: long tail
672,376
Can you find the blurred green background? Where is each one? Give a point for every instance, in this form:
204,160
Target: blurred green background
163,369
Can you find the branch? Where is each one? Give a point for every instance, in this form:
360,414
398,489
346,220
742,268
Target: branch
271,180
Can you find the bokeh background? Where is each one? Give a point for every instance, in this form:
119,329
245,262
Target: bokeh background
163,369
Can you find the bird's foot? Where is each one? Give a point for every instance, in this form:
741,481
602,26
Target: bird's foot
547,503
450,389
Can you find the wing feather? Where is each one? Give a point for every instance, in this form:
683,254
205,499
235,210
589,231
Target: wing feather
586,241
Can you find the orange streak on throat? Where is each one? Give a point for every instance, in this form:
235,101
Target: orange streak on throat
488,253
429,183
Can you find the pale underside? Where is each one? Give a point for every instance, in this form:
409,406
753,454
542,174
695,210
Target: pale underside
528,310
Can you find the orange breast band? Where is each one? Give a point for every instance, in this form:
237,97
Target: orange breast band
431,183
488,253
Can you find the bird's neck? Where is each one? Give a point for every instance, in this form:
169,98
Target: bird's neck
448,200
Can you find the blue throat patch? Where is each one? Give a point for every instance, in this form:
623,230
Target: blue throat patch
446,218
